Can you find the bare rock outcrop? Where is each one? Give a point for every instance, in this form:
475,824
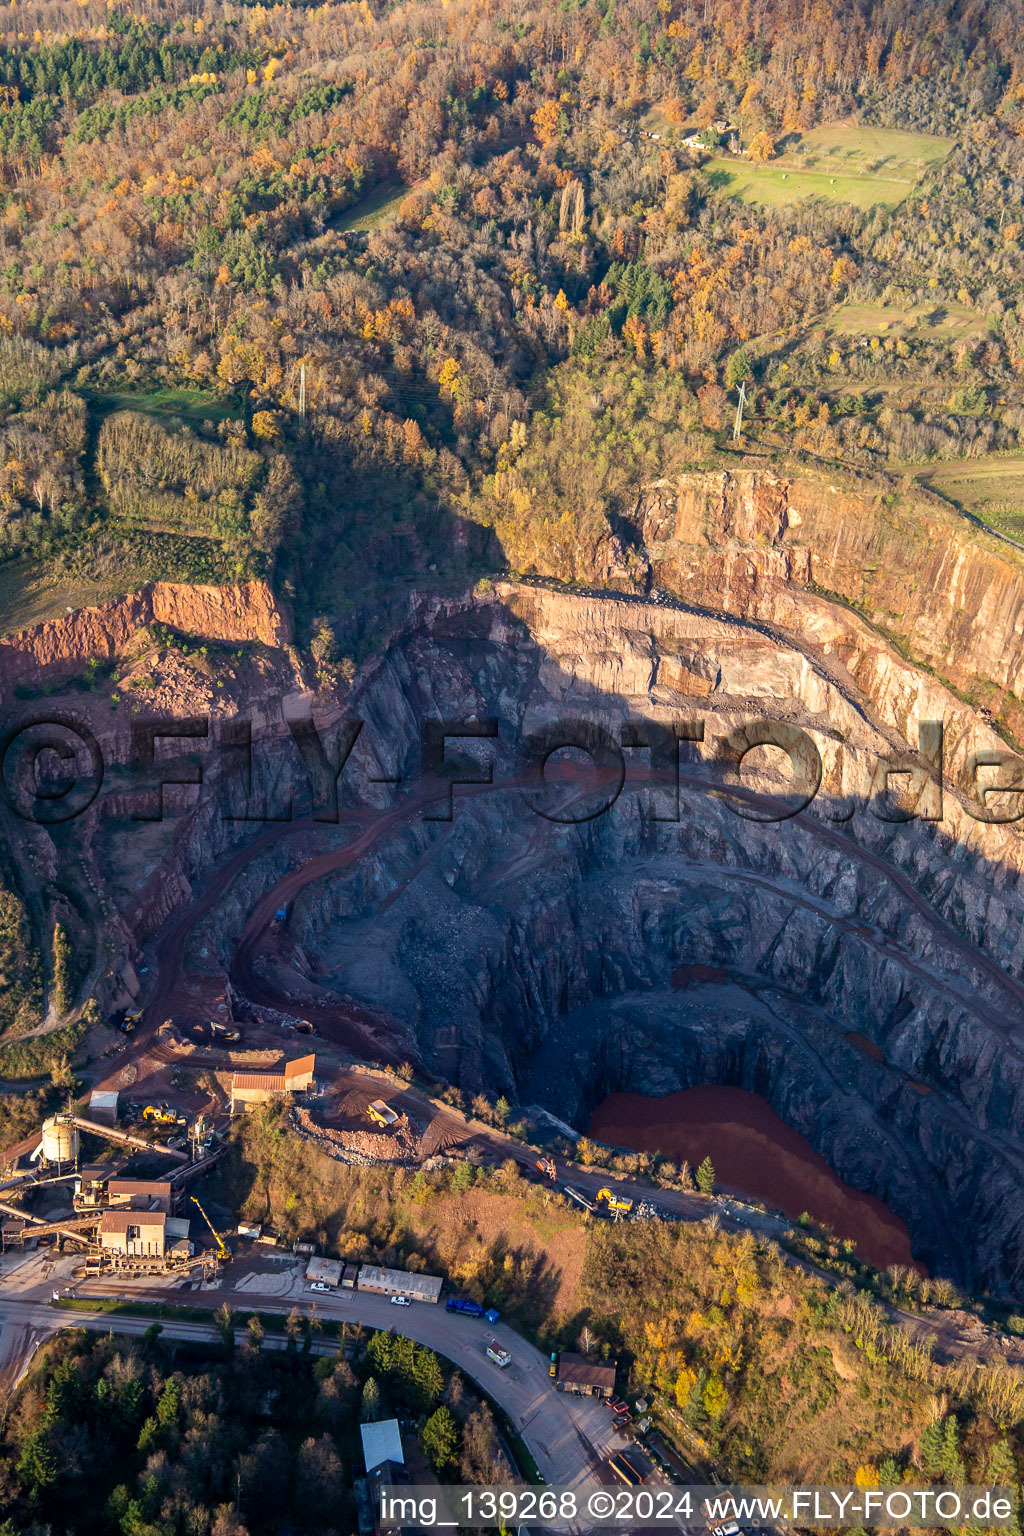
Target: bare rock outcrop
751,542
236,614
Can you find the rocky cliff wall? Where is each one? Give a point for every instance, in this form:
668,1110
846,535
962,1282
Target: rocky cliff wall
750,542
538,959
247,612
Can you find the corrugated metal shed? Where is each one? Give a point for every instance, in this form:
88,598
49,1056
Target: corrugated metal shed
153,1194
120,1221
103,1106
381,1442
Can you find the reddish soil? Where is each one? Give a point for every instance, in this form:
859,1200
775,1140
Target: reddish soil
694,975
870,1049
755,1154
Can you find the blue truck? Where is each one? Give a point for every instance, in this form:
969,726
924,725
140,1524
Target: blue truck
471,1308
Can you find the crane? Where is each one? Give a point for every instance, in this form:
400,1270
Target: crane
223,1251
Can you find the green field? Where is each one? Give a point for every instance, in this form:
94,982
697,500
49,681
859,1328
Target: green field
840,163
375,209
192,405
31,594
991,487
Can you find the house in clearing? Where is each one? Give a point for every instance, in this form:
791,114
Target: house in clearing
258,1087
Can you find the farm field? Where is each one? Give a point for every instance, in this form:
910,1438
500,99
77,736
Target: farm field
991,487
921,320
840,163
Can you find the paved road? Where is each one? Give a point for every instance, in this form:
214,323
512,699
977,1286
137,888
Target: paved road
568,1437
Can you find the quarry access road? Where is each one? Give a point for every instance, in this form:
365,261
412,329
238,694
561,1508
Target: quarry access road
568,1437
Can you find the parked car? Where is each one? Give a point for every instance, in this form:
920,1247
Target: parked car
320,1285
400,1301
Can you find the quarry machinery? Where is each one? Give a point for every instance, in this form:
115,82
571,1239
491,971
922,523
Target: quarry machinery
223,1251
163,1114
618,1204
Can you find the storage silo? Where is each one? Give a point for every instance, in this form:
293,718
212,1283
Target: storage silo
60,1141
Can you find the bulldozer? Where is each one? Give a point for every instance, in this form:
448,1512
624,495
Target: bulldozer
613,1202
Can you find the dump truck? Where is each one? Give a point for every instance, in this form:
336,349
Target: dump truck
464,1304
498,1353
614,1202
280,916
381,1113
297,1027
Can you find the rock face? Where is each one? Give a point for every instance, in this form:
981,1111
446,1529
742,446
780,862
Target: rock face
537,956
867,970
748,542
233,613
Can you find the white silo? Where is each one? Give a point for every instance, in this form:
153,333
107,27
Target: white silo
60,1141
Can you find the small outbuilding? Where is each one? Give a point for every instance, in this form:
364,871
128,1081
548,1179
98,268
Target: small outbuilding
585,1377
326,1270
103,1106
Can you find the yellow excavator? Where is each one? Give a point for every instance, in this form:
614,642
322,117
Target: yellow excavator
614,1202
223,1251
163,1114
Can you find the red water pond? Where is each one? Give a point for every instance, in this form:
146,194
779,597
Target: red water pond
755,1154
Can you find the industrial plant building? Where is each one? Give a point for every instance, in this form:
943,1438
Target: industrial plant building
126,1236
399,1282
258,1087
103,1106
141,1194
134,1234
